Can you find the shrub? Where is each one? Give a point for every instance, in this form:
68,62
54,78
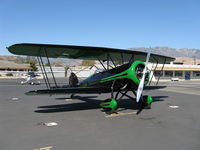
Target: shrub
9,74
88,62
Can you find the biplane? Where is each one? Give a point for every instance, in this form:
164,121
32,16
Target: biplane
124,74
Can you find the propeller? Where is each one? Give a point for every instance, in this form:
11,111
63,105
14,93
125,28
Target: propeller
141,85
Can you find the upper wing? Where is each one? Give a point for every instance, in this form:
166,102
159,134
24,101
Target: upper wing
83,52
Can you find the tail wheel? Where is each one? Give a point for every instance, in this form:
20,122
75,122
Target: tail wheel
109,106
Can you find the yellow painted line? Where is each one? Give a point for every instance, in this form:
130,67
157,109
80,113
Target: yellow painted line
44,148
120,114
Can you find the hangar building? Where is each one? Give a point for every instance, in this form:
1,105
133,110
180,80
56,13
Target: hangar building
9,67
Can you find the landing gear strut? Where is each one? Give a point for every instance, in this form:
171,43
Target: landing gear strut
110,105
72,96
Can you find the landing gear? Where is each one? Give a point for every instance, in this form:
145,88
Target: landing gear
109,106
144,103
147,100
72,96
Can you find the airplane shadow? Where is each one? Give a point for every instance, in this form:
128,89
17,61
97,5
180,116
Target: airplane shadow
159,98
77,97
90,103
130,104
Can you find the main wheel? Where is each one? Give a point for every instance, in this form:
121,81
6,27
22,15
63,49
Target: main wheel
109,106
147,101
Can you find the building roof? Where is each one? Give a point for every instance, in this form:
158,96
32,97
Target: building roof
12,65
180,68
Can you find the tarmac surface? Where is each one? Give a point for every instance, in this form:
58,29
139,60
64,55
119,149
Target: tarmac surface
173,123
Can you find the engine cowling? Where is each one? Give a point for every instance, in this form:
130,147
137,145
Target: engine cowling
137,68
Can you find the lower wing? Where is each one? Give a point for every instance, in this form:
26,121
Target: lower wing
81,90
70,90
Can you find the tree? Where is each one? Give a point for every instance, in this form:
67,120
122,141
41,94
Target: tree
20,60
118,62
88,62
57,63
29,59
66,69
46,64
33,65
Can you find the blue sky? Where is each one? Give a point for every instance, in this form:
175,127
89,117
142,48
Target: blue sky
106,23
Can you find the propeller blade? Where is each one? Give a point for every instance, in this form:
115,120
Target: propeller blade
141,85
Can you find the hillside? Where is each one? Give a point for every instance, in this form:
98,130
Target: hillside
184,55
183,52
187,60
54,61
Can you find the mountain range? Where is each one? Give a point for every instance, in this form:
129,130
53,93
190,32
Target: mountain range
182,52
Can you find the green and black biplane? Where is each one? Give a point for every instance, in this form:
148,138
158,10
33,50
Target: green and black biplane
131,76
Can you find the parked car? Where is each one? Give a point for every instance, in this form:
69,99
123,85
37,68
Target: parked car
31,78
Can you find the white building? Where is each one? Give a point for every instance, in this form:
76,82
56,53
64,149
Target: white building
57,71
183,72
8,68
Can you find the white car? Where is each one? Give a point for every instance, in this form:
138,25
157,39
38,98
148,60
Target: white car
31,78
